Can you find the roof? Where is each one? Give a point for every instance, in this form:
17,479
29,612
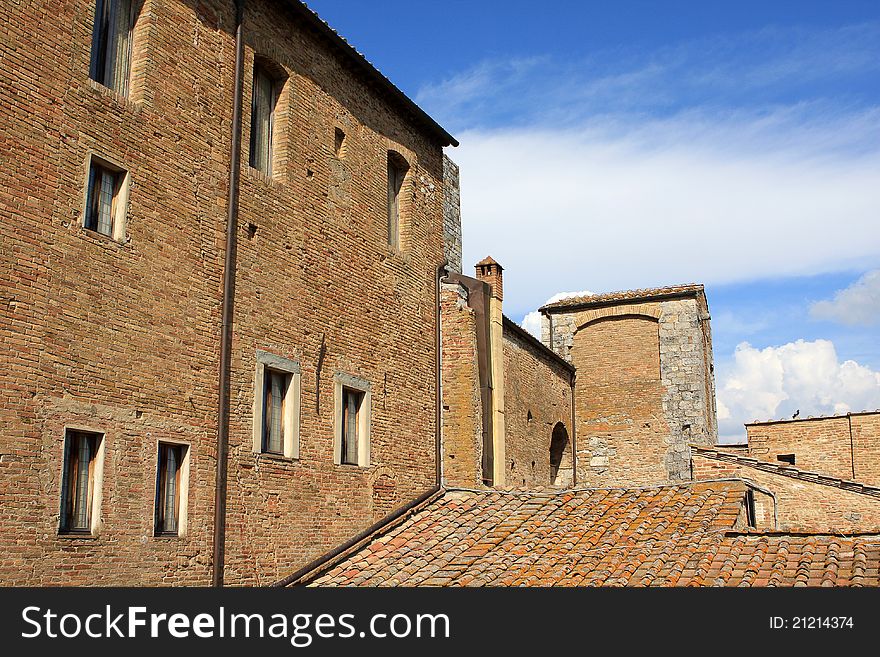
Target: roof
673,535
786,470
369,72
645,294
488,260
810,418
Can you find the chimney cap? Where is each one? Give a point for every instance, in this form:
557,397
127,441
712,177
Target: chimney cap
488,260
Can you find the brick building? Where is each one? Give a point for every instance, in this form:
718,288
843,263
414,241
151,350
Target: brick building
845,446
229,246
507,399
134,132
645,381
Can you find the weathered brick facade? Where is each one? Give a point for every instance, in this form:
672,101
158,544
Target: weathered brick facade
845,446
802,500
537,407
121,337
645,382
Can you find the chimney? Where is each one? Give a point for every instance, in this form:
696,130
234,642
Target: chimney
489,272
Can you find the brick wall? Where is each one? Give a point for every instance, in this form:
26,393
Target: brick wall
122,337
801,505
462,410
823,445
645,386
537,398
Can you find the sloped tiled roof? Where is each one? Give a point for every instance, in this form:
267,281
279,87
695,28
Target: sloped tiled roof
680,535
626,295
787,470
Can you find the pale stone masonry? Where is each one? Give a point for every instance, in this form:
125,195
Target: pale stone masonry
645,381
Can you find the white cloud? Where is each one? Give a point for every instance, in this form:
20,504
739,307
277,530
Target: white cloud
673,201
532,321
773,383
858,304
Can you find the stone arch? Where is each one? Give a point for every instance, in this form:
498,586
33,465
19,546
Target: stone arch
560,457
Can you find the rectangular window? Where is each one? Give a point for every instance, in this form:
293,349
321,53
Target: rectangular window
169,489
78,482
275,387
263,103
111,44
397,168
785,458
351,408
103,198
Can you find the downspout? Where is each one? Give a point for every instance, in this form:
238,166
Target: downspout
852,449
229,266
438,380
574,461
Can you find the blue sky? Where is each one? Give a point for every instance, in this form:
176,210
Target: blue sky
618,145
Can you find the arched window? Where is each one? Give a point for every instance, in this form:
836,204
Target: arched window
560,457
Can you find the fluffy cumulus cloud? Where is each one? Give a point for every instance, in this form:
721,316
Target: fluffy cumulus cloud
856,305
775,382
532,321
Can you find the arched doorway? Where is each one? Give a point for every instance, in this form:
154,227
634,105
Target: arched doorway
560,457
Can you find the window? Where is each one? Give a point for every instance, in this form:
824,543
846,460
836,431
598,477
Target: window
171,489
80,487
264,100
276,405
785,458
275,387
104,198
339,148
397,168
111,44
351,407
750,508
351,444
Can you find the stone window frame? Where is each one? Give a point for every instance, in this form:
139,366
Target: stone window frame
116,73
341,381
291,419
97,483
182,489
119,226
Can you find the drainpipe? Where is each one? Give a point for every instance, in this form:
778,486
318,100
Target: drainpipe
574,461
227,310
852,450
438,381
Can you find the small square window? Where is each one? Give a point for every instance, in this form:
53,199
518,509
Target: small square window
171,485
79,490
111,44
263,103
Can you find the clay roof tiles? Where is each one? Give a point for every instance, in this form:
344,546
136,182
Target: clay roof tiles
680,535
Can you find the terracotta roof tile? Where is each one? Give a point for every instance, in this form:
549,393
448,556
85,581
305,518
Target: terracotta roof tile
679,535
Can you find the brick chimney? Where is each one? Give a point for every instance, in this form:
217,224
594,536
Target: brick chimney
489,272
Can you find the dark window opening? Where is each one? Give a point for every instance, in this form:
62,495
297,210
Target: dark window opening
102,199
263,102
339,143
397,168
785,458
168,483
111,44
275,387
78,482
351,408
750,508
